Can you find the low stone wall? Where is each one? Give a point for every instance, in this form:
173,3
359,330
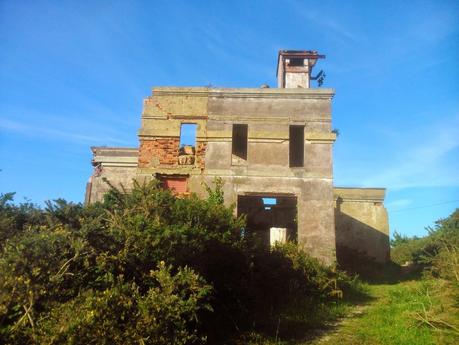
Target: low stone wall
361,222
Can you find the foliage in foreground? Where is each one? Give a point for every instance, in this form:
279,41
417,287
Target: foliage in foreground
438,251
438,256
389,319
404,311
147,267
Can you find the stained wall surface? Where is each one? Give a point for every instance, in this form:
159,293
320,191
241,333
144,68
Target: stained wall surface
117,165
268,114
266,171
362,222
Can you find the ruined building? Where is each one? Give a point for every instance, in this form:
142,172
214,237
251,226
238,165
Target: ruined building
271,146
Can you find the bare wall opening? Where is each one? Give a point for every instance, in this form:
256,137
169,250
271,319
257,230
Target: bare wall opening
239,143
188,134
270,217
187,147
296,146
296,62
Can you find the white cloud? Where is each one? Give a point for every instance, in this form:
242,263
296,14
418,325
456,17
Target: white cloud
58,134
333,24
399,204
428,158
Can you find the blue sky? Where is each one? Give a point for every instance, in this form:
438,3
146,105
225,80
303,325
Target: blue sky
73,74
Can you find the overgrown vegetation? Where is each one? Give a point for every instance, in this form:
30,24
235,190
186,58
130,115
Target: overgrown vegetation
416,303
146,267
436,256
437,253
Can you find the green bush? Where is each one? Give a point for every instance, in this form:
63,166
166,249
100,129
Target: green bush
445,235
16,218
438,252
80,274
122,314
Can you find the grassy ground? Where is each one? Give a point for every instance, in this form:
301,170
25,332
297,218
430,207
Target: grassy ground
418,312
399,316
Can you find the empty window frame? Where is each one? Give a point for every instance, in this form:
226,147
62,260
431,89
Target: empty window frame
188,134
296,146
239,147
296,62
187,149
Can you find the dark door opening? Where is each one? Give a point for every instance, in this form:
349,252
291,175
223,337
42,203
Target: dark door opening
271,217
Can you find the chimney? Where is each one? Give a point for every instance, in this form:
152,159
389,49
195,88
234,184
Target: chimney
294,68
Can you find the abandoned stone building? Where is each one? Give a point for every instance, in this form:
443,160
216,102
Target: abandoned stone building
273,149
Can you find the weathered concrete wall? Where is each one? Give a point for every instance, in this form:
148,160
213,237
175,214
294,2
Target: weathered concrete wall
316,228
359,215
362,222
163,114
294,80
117,165
268,114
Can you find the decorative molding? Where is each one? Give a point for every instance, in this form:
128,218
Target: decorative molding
283,93
359,194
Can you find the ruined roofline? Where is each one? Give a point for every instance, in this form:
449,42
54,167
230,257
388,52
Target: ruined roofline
95,149
114,156
305,53
326,93
359,194
362,188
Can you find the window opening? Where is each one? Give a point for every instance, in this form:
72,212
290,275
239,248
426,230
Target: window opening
188,134
296,62
239,147
269,202
296,146
187,143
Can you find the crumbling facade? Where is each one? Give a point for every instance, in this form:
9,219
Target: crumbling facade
272,147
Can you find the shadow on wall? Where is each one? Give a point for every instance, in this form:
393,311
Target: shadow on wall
356,240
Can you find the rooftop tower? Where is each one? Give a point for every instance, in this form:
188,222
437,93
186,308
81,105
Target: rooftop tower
294,68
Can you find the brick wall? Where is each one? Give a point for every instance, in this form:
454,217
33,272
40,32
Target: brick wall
164,150
200,154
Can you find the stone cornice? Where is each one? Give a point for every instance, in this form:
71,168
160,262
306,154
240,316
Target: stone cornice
319,137
298,93
115,161
359,194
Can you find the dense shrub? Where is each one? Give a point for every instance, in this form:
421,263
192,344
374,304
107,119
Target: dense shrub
123,314
16,218
445,235
438,252
147,267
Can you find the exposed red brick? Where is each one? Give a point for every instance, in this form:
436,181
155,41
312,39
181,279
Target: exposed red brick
167,151
200,154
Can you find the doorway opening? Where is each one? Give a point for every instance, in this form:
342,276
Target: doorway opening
271,217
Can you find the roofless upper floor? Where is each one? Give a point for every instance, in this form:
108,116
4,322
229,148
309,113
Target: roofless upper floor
268,123
303,104
293,98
